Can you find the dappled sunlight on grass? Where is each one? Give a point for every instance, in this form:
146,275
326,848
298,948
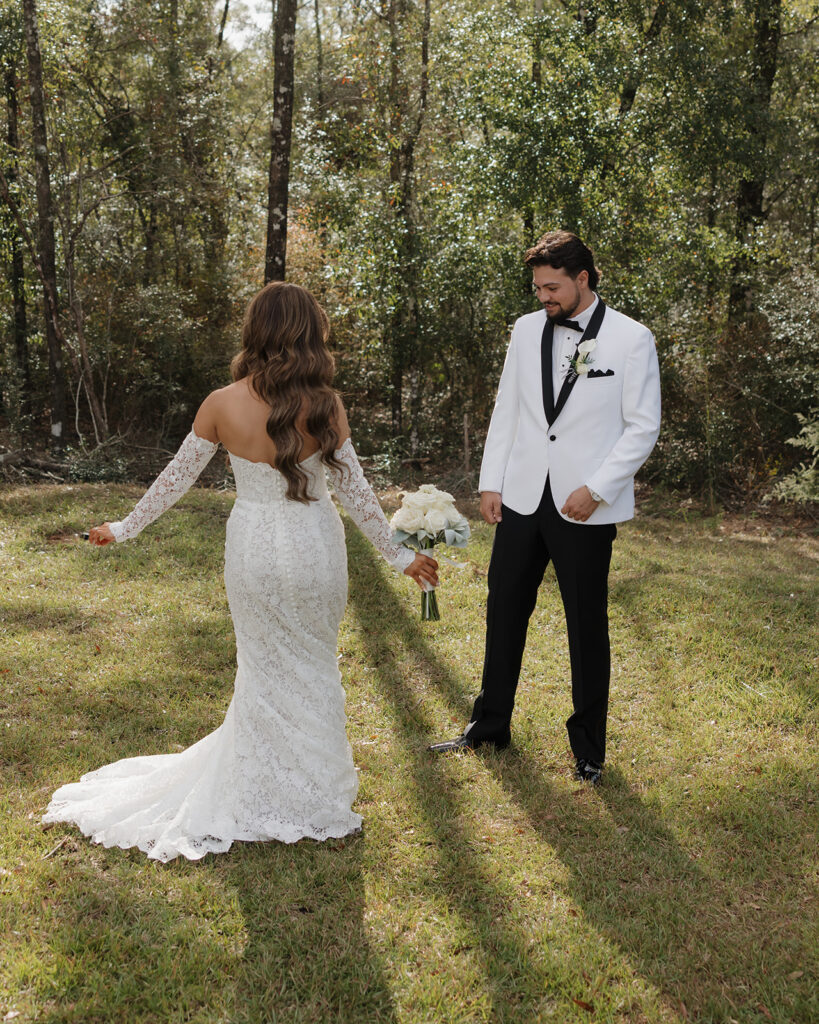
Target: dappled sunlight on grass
488,888
665,876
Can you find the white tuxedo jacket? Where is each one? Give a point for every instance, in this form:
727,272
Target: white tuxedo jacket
600,438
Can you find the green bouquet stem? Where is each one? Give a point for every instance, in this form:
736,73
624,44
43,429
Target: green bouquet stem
429,599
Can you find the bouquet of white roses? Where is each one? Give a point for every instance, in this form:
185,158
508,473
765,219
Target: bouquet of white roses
426,518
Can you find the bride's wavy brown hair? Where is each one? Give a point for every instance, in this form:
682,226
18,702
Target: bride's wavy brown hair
285,355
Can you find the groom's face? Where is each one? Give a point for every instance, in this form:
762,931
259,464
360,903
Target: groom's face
559,293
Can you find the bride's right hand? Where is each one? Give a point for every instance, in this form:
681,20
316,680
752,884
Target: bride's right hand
423,570
100,535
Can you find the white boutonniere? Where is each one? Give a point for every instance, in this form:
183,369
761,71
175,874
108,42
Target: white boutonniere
581,364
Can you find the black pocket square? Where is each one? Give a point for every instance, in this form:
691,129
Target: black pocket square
601,373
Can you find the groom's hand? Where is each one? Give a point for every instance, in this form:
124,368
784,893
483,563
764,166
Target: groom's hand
491,507
580,504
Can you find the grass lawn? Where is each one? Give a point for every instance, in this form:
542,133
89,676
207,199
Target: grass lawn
483,888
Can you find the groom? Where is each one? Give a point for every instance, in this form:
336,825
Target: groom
577,414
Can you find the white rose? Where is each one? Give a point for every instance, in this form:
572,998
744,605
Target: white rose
434,496
416,500
436,520
587,346
426,509
410,520
583,368
435,502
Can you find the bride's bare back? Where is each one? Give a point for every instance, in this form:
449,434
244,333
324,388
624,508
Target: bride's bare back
236,417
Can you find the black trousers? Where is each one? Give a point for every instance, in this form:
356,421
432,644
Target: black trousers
581,556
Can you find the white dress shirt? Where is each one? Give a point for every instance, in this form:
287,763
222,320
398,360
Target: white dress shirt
564,342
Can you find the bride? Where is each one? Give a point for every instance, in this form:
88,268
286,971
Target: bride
280,765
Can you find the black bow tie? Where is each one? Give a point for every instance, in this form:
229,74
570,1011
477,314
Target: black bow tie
573,324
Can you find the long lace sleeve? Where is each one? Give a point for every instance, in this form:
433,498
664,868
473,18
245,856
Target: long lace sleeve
174,480
357,497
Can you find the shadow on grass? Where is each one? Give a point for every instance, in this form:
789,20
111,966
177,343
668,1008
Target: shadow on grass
265,933
308,956
686,931
278,933
119,704
37,617
269,932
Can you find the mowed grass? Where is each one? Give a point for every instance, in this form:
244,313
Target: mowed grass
487,888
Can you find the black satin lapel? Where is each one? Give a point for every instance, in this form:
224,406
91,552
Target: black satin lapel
565,390
570,380
546,369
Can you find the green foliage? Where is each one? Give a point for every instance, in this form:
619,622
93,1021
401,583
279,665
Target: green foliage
105,463
414,192
802,484
140,186
635,131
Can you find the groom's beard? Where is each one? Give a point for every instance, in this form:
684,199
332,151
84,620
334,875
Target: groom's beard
562,312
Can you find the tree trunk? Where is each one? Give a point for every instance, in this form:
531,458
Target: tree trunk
395,335
415,410
537,57
396,384
528,213
72,221
45,218
280,138
149,227
16,267
634,80
319,61
213,59
750,210
50,298
402,336
222,24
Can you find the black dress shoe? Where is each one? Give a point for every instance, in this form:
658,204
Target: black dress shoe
470,743
588,771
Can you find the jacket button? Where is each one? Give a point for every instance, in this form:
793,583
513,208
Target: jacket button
552,437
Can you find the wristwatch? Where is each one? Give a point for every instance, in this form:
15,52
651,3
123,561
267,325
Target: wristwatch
594,494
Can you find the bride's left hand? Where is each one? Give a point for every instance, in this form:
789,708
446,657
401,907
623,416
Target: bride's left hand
100,535
423,570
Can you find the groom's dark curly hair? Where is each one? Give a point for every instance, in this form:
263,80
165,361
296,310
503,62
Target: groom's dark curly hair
563,249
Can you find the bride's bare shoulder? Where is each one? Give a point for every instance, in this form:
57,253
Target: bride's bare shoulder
216,407
239,389
340,421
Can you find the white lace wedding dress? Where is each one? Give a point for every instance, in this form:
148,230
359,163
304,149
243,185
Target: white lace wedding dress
280,765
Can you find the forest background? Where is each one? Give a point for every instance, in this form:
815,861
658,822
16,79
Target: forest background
151,179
